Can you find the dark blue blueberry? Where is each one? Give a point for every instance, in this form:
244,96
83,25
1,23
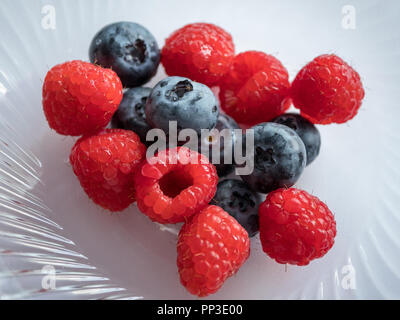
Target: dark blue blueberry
129,49
206,144
236,198
306,131
279,157
191,104
130,114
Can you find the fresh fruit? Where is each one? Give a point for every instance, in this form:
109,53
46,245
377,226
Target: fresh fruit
236,198
295,227
200,51
130,114
180,184
175,184
308,133
79,97
129,49
255,89
105,164
211,247
279,157
191,104
327,90
217,139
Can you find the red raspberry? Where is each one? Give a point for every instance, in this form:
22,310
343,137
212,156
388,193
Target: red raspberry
202,52
170,189
327,90
255,88
295,227
80,98
105,164
211,247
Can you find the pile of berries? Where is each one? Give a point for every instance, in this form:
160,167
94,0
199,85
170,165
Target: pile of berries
181,185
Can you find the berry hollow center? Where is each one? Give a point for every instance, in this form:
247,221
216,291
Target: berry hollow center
182,87
174,182
136,51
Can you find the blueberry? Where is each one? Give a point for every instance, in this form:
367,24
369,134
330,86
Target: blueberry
223,122
306,131
130,114
279,157
129,49
191,104
236,198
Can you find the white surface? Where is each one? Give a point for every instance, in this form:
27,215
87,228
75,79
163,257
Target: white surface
46,219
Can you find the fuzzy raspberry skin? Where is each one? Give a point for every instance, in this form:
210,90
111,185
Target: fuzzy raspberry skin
295,227
255,89
211,247
80,98
327,90
105,165
169,189
202,52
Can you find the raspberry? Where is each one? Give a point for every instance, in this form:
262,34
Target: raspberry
105,164
295,227
80,98
255,89
327,90
170,189
202,52
211,247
